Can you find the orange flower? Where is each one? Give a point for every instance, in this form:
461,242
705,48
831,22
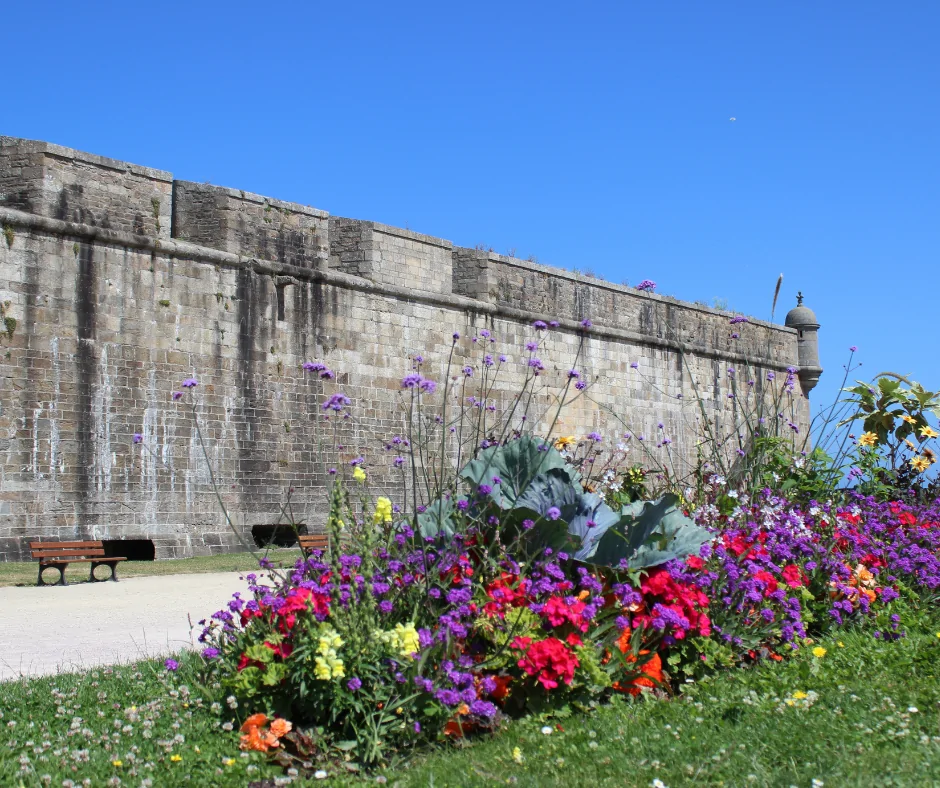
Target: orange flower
254,721
254,740
256,737
456,729
502,688
280,727
651,673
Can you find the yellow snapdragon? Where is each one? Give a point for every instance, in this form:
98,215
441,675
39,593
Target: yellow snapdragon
403,640
383,511
327,664
359,475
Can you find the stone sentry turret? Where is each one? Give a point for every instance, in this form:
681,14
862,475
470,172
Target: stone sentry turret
803,319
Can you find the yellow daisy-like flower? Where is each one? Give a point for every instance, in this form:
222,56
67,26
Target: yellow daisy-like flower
359,475
929,456
117,763
176,758
841,644
909,419
868,439
920,464
927,432
819,652
799,695
565,442
229,761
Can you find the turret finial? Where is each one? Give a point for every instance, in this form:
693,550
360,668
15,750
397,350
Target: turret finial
799,298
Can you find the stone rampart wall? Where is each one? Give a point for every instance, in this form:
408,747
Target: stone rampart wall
123,282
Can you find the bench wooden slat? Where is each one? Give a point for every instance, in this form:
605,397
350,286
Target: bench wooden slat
80,560
56,545
77,552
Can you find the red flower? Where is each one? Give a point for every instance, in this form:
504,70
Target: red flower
282,650
792,576
769,581
549,660
503,594
694,562
245,662
559,611
687,600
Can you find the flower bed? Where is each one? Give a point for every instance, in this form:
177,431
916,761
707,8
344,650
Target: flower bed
415,643
535,577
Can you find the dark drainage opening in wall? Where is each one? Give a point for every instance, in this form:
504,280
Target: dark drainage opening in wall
279,535
131,549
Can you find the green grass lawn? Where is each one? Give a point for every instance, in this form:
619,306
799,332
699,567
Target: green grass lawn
866,713
24,573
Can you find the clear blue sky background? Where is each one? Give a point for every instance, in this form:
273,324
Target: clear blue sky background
592,135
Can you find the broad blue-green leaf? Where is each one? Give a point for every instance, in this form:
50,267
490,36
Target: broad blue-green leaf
648,533
437,519
516,464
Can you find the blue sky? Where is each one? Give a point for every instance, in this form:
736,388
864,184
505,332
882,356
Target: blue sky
592,135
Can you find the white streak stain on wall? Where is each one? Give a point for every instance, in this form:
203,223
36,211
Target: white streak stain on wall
101,413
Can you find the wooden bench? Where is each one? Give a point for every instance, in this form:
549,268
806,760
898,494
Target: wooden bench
310,542
61,554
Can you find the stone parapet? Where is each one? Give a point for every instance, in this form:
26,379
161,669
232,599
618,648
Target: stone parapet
250,225
70,185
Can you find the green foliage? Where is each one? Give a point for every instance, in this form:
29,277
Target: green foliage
883,410
894,453
776,465
630,486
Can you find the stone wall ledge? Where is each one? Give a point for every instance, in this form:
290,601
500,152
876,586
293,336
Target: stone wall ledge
70,154
260,199
185,250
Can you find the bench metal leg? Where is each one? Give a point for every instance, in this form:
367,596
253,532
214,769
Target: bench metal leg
60,567
112,565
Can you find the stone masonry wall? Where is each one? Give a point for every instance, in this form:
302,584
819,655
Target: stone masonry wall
113,311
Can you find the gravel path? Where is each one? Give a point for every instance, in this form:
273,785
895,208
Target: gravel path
55,629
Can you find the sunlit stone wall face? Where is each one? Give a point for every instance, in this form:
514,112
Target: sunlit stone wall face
119,282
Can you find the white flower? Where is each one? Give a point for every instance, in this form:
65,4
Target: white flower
547,730
817,783
320,774
657,783
912,710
